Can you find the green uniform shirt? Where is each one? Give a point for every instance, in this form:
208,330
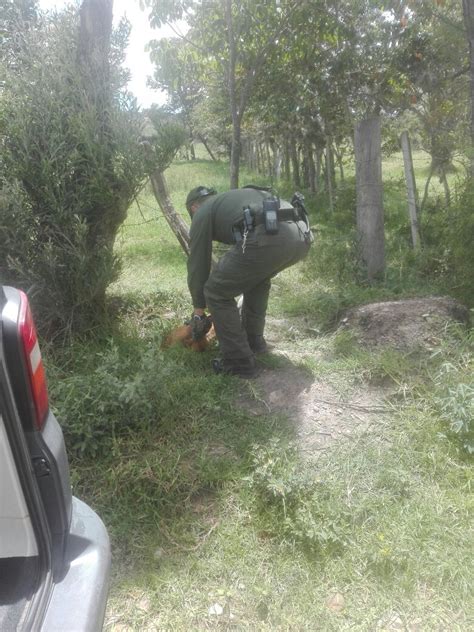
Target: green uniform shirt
213,221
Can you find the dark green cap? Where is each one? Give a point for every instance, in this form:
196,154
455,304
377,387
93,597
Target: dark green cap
198,193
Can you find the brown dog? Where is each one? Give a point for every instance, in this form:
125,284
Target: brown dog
183,335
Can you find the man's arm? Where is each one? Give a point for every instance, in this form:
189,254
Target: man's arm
200,258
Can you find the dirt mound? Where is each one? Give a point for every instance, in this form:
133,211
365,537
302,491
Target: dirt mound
404,325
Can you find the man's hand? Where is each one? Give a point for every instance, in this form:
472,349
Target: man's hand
200,325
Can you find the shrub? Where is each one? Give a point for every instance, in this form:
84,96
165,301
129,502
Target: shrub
460,237
116,391
295,505
455,401
70,166
448,235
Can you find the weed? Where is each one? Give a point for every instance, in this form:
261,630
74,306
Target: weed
455,402
296,505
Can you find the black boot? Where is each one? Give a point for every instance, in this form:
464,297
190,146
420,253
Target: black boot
257,343
242,367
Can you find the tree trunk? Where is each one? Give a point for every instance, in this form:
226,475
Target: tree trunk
95,31
93,69
427,186
175,221
277,160
294,164
319,156
370,227
331,169
339,159
234,109
286,159
447,192
411,188
235,155
305,167
329,178
269,169
310,166
468,10
258,157
208,149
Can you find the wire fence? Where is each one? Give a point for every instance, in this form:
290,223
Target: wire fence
392,167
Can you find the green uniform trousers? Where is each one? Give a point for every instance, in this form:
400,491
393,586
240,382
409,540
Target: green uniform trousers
249,272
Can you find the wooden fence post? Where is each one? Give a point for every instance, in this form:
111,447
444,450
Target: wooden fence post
175,221
411,189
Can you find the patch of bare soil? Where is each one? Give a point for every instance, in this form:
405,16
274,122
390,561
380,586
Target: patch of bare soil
318,410
321,409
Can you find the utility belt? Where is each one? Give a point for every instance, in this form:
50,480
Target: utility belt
270,215
282,215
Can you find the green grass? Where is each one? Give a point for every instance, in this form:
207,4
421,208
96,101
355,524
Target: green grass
212,509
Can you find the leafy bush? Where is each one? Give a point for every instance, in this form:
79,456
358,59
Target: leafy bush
112,389
294,504
460,238
448,235
116,391
70,165
455,401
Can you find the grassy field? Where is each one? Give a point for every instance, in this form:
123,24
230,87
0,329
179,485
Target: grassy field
217,519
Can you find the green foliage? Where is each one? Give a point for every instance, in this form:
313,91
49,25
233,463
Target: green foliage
15,16
448,235
164,139
111,388
454,392
459,241
118,390
294,504
457,409
71,164
66,281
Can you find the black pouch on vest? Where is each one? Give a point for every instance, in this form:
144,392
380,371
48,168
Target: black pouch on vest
270,215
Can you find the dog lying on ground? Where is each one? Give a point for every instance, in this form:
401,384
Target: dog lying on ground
183,335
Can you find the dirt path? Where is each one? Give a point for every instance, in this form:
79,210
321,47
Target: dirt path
322,409
328,407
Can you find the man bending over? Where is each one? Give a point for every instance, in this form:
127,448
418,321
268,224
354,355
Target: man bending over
268,235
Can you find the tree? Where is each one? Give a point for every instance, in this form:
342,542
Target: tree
429,59
468,12
71,163
179,71
162,140
369,196
239,39
15,16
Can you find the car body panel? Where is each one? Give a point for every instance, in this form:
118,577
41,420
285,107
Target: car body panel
54,549
17,536
80,596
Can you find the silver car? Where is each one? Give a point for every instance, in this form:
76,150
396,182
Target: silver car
54,550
